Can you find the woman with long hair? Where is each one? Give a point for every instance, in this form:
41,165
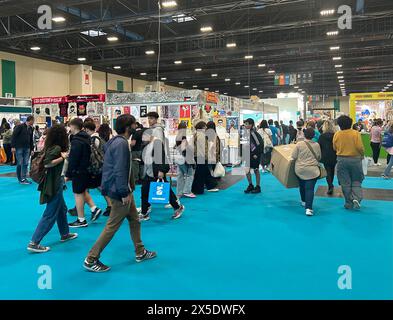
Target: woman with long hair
329,157
51,188
266,134
214,144
105,132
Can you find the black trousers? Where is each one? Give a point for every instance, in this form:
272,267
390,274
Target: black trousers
8,152
330,174
376,151
388,159
203,178
145,195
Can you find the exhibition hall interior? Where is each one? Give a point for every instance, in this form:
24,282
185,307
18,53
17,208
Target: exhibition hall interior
196,150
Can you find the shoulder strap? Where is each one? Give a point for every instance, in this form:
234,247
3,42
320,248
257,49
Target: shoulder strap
270,138
312,150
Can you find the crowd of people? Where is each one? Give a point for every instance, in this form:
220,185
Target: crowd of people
115,161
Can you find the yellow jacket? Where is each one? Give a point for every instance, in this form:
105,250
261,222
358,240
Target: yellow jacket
348,143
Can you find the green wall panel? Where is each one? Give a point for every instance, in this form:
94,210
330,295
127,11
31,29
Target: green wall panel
8,76
120,85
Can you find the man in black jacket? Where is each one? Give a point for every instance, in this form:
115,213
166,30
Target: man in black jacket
23,146
77,171
255,143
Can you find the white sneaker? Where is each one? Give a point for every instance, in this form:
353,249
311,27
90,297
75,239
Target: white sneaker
303,204
139,210
213,190
309,212
378,164
356,204
168,206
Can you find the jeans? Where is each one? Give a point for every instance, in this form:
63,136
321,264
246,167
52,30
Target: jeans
119,212
306,188
145,195
350,176
330,174
203,177
389,167
185,178
55,211
22,159
376,147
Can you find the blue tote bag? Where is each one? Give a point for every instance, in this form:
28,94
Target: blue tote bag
159,192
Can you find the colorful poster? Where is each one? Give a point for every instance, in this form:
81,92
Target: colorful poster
232,124
127,110
185,111
81,109
282,79
152,109
186,121
100,108
135,111
54,109
195,112
91,109
173,112
63,109
116,112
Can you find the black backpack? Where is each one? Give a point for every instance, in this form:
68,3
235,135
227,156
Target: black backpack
96,156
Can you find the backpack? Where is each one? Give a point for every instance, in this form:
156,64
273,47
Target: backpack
387,141
96,156
37,169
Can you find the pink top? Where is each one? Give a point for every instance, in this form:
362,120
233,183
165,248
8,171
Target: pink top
376,132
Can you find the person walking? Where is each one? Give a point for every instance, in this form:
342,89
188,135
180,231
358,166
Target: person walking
312,124
77,172
156,167
7,141
292,132
388,145
214,145
23,147
350,151
329,157
137,146
285,132
274,131
376,140
51,190
116,175
279,133
185,163
307,155
202,176
255,145
266,135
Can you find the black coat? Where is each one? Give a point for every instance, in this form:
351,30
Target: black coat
22,137
329,156
79,158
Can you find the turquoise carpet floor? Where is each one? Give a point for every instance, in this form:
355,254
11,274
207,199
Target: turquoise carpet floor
227,246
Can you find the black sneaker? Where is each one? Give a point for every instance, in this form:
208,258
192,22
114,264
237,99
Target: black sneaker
330,191
37,248
257,189
73,212
95,214
70,236
107,212
78,224
249,189
147,255
95,265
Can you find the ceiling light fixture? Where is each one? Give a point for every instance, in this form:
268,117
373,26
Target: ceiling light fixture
338,66
113,38
328,12
206,89
231,45
246,86
237,83
261,65
81,59
150,52
117,67
340,72
198,69
334,48
163,79
332,33
178,62
227,80
214,75
169,4
181,82
206,29
249,57
271,71
340,77
35,48
195,86
143,74
336,58
58,19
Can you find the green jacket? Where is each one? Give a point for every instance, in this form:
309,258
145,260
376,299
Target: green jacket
53,180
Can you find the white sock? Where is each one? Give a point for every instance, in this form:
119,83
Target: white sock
81,219
93,209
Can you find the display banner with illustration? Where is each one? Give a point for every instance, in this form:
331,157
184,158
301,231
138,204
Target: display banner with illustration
290,79
369,106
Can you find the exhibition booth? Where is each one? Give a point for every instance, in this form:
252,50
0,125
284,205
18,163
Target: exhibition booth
14,109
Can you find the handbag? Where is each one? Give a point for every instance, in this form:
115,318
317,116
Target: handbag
322,170
219,171
159,192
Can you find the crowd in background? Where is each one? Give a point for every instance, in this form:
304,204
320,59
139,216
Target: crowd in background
115,161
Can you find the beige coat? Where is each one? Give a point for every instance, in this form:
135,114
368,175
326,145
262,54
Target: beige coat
306,166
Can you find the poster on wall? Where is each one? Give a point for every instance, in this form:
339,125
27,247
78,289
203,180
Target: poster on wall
152,109
208,112
100,108
232,123
72,109
186,121
81,109
195,112
143,112
173,112
126,110
63,109
37,110
91,108
171,125
116,112
135,111
54,110
164,112
185,111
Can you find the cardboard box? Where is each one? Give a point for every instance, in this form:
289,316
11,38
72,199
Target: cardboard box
283,166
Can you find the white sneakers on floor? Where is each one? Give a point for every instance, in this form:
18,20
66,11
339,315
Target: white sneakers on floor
309,212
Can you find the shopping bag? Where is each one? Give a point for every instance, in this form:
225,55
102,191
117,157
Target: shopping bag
365,165
159,192
219,171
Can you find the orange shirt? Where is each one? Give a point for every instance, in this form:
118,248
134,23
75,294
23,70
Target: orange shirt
348,143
